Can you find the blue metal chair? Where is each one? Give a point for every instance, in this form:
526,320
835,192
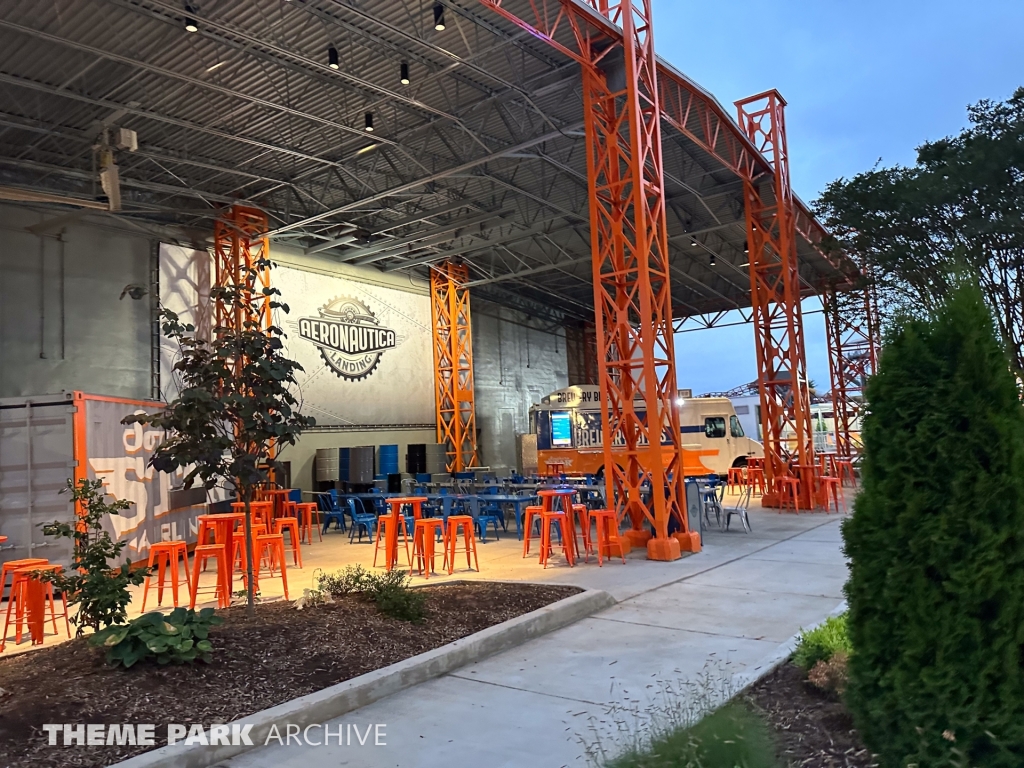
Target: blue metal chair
360,521
484,516
328,504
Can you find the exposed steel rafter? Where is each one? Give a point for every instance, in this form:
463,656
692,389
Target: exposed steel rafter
775,297
684,105
851,324
453,364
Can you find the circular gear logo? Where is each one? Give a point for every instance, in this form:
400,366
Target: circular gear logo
349,336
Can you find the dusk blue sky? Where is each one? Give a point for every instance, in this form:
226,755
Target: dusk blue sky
864,80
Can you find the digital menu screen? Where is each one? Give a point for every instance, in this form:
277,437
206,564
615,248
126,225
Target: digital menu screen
561,429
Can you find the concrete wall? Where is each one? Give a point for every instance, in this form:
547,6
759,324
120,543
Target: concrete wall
514,366
62,326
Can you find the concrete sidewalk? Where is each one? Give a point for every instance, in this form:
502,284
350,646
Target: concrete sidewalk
716,613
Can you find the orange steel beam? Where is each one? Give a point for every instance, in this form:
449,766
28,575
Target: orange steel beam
238,247
851,325
775,296
614,43
453,364
684,105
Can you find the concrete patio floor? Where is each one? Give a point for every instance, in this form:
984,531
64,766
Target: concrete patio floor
707,616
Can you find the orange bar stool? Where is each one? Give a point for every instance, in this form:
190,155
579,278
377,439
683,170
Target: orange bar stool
200,555
755,479
262,511
290,524
32,576
844,468
832,489
23,580
469,540
548,518
165,554
12,565
582,526
270,547
238,546
736,479
384,523
304,511
529,515
425,532
608,540
788,488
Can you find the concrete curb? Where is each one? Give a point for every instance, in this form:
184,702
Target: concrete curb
743,680
321,706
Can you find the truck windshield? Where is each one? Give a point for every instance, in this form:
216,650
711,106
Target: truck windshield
735,427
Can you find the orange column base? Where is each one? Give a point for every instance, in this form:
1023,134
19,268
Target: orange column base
637,538
688,542
666,549
771,499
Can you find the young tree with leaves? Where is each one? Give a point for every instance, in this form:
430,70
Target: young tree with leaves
236,409
961,204
98,588
936,546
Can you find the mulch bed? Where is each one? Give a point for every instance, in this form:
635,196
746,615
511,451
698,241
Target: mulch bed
812,729
281,654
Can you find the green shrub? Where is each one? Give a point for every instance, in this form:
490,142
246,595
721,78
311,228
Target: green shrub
181,636
731,737
349,580
822,642
389,590
96,587
936,544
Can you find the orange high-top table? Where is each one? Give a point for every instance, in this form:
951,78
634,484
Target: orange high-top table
551,499
396,503
278,496
224,534
262,511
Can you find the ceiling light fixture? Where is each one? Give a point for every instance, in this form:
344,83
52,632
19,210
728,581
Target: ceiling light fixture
332,57
190,22
439,17
405,73
693,243
368,122
746,246
713,260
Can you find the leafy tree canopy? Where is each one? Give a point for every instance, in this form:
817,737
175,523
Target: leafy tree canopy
961,205
236,408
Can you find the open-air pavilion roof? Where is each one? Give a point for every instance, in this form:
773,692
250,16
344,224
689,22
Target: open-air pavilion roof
481,157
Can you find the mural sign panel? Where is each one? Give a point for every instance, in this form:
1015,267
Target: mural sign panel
366,349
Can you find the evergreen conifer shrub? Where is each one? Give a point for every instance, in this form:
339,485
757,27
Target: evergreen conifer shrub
936,543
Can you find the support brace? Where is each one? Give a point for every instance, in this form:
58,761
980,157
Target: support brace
775,297
453,364
851,324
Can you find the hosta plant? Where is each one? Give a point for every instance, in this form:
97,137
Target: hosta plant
179,637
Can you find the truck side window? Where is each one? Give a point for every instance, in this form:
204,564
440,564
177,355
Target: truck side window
735,427
714,426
